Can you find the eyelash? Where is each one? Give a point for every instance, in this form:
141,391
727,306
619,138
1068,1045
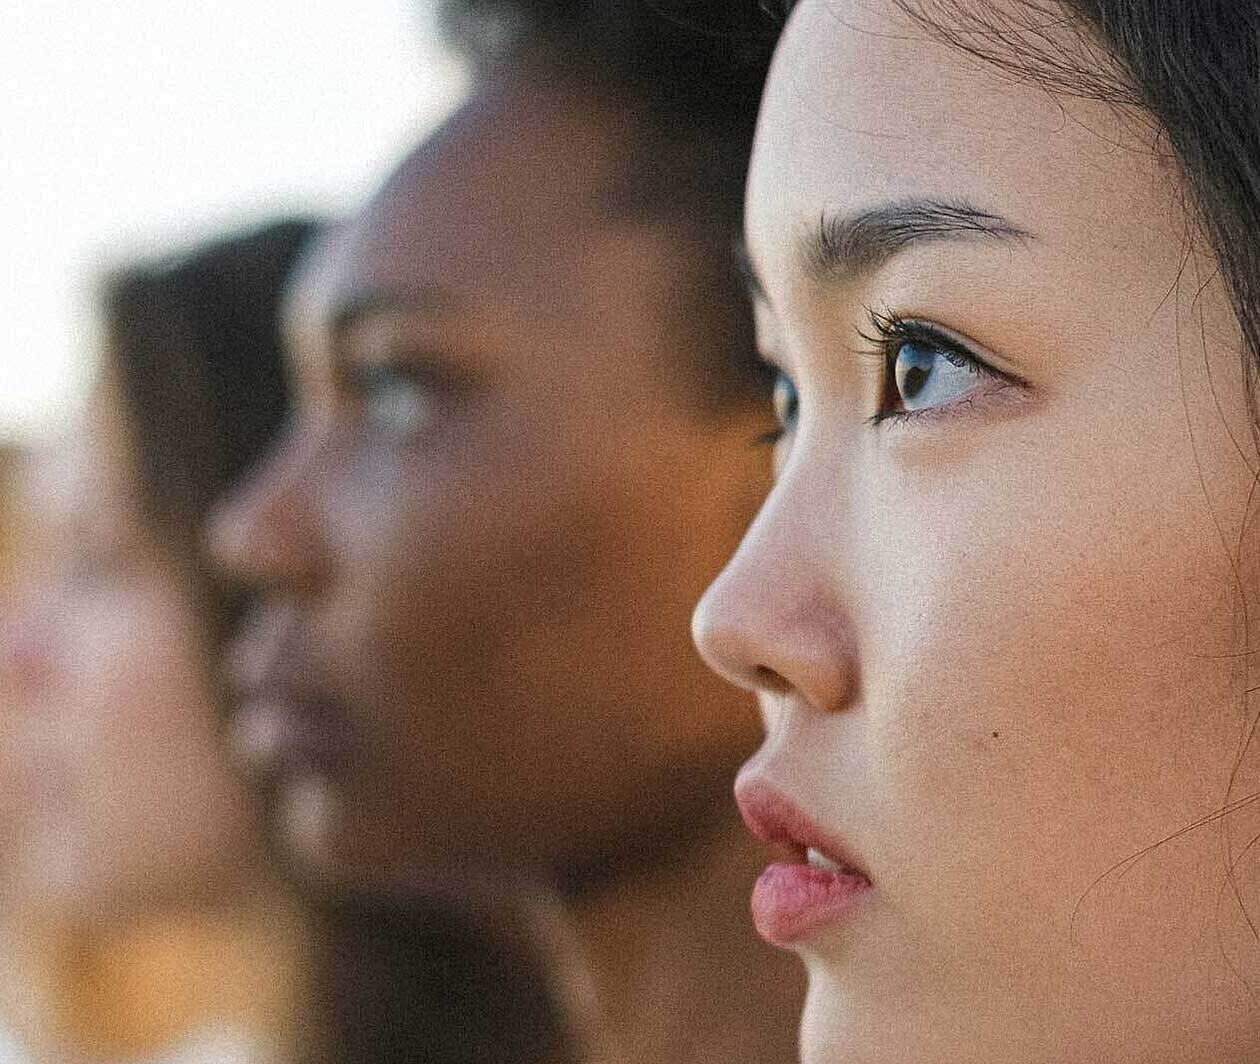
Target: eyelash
889,332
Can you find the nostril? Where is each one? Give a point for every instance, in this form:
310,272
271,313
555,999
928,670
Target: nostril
768,680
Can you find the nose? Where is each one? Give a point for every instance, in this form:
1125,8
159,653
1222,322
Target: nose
774,621
267,533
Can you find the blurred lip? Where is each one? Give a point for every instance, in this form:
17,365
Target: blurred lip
279,732
285,721
815,886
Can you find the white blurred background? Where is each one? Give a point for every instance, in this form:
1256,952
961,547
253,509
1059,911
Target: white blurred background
129,124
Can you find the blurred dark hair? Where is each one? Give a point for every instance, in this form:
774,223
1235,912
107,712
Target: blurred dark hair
1193,68
691,70
455,977
193,353
688,74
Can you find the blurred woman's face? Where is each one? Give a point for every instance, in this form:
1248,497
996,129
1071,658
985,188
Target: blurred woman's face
477,548
119,797
996,605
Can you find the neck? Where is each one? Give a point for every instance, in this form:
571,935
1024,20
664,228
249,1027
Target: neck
678,974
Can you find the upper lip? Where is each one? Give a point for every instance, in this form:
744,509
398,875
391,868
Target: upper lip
775,819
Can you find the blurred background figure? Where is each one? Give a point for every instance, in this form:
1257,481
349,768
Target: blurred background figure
13,458
142,913
528,400
522,491
140,919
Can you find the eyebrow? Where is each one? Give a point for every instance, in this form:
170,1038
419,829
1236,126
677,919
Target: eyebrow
351,309
844,246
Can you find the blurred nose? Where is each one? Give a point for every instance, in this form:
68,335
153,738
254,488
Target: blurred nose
774,620
267,533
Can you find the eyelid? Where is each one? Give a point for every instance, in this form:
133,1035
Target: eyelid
953,339
766,326
772,360
362,376
894,331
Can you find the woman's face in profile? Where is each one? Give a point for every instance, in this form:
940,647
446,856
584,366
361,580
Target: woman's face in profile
109,734
996,605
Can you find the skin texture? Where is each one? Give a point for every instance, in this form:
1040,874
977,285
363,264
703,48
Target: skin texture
997,646
124,798
478,543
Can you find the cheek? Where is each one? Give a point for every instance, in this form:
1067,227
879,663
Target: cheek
154,797
1054,671
136,656
499,621
438,563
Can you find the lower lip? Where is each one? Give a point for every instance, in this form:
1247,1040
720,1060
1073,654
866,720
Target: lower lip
792,902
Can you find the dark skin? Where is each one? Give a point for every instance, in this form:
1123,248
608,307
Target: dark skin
481,541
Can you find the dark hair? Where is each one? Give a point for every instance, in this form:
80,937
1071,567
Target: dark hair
689,74
691,70
1194,68
448,978
193,353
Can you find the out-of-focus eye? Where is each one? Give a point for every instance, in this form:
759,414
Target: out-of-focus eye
786,403
395,402
926,376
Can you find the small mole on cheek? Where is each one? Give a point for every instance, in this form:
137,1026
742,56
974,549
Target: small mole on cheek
981,742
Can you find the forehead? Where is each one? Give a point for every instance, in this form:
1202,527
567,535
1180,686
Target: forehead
492,202
864,106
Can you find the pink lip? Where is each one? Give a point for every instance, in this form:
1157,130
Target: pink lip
793,900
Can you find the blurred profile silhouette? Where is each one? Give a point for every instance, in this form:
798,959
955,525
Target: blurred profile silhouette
146,914
140,917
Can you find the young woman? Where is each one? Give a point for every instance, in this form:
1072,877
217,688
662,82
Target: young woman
138,915
999,605
525,385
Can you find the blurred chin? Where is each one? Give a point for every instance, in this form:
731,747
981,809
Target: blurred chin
335,837
309,815
331,842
